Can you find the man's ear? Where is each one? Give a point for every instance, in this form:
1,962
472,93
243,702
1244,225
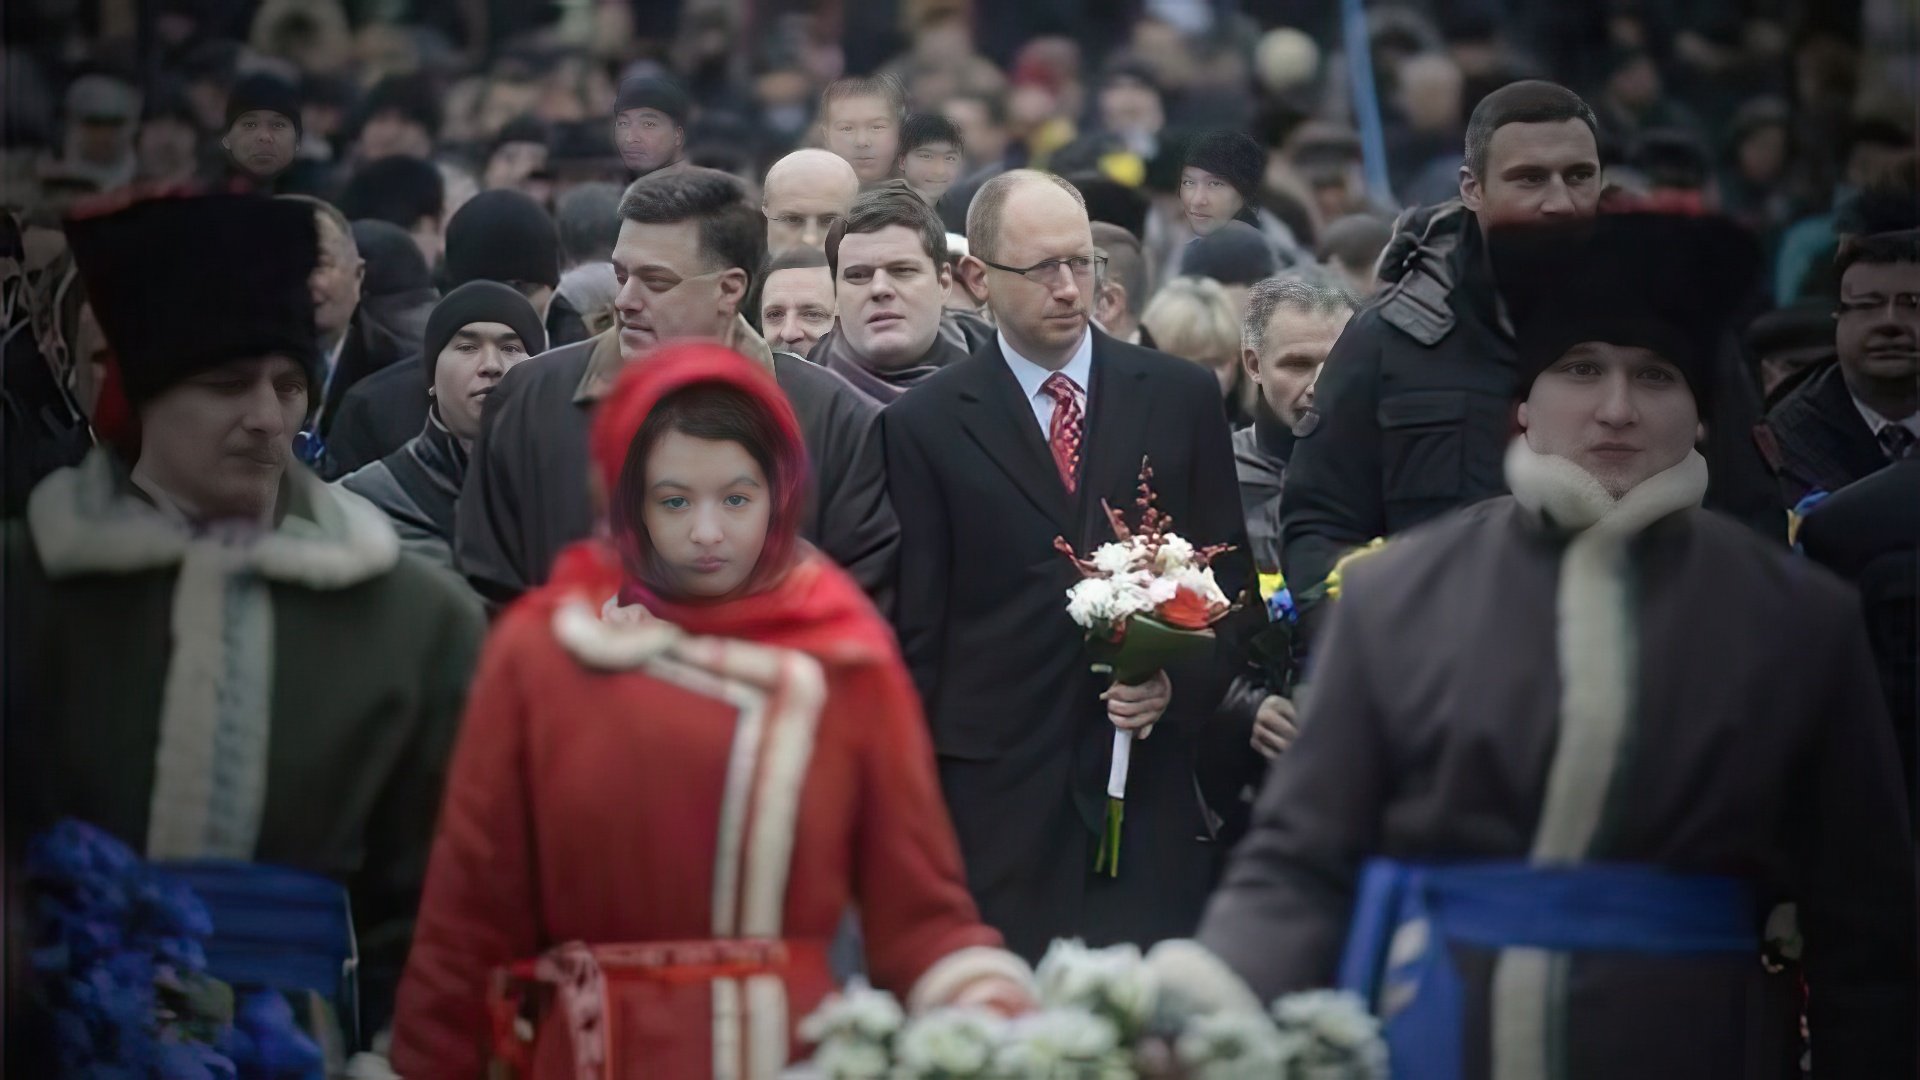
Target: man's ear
733,290
1470,189
225,144
973,275
1250,361
1520,416
1700,433
946,285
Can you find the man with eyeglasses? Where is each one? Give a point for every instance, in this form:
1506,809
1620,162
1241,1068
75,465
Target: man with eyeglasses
1857,415
989,461
690,241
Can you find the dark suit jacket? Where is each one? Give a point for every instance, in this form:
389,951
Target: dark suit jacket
1815,438
378,416
1869,533
1022,736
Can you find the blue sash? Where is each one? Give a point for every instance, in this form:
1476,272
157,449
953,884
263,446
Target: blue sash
278,929
1412,984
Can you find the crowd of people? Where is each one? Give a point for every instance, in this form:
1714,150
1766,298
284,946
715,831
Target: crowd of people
592,489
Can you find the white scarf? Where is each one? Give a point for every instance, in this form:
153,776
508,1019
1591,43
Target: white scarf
1598,649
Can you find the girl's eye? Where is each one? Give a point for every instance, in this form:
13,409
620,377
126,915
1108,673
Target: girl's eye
674,502
737,501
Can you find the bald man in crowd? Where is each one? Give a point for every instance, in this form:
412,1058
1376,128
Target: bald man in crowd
805,193
989,460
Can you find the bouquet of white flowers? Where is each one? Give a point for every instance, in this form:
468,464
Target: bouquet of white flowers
1103,1014
1145,600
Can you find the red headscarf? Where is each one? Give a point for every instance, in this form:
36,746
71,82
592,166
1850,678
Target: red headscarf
794,597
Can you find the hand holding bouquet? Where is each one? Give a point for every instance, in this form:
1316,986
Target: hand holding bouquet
1145,600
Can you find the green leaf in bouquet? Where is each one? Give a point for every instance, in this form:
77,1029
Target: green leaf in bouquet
1148,645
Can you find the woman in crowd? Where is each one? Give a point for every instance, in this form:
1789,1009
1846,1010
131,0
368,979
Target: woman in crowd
687,755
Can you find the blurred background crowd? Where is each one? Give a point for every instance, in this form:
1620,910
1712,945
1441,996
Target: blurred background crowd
1773,111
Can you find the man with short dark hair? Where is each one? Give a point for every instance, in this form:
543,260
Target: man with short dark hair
689,244
1853,417
930,155
989,461
1413,404
518,156
650,124
888,258
792,302
860,119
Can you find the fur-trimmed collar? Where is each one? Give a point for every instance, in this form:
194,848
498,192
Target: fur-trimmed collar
1571,498
87,520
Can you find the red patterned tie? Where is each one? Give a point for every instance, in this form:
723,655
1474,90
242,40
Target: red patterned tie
1063,434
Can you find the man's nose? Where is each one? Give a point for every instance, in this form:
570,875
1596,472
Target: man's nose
1616,403
1559,201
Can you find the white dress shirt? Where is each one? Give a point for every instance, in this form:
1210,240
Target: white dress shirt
1875,422
1032,376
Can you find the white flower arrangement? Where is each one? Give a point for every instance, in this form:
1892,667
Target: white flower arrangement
1336,1032
1097,1008
950,1044
1113,983
1070,1044
1235,1046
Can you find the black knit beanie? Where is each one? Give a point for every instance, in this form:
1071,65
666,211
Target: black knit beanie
503,235
263,91
480,302
1232,156
648,92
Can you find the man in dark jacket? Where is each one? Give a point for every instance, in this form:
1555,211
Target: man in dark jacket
1850,419
1869,533
1415,403
1291,324
482,330
888,258
688,241
990,460
500,235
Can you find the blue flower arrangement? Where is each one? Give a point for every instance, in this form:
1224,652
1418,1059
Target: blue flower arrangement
120,961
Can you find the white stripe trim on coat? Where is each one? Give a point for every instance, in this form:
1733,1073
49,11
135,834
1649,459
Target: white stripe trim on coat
1596,646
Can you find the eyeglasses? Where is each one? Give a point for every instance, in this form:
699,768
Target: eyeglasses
1042,273
1904,305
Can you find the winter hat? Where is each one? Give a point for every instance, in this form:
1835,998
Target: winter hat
1234,254
394,262
412,96
1112,202
182,285
503,235
478,302
1668,283
652,92
267,92
1232,156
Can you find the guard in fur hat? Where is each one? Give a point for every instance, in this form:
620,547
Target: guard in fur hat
1570,791
211,654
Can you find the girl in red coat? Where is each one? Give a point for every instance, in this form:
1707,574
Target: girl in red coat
682,761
